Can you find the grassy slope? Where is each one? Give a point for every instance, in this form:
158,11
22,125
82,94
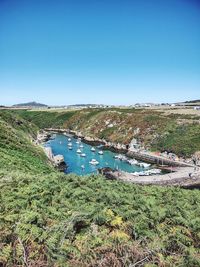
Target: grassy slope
157,131
64,220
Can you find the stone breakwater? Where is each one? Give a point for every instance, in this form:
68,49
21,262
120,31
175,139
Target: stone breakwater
185,177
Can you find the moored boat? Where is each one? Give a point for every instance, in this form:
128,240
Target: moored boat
94,162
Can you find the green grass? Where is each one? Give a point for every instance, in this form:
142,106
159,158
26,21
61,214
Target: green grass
46,119
183,140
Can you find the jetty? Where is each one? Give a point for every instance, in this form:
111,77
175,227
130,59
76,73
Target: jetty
156,159
185,177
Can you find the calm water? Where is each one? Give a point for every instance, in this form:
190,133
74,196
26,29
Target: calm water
74,161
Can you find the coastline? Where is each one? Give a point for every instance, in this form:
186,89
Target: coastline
123,149
179,177
57,161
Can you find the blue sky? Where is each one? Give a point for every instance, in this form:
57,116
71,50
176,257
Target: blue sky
99,51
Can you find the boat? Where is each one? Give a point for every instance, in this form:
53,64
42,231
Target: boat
70,144
132,161
147,173
70,148
100,152
69,139
93,149
94,162
77,142
83,155
78,151
81,146
82,167
120,157
144,165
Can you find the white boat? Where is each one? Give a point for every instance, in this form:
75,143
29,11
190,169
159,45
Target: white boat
69,139
82,167
70,144
94,162
78,151
100,152
132,161
81,146
83,155
144,165
70,148
93,149
77,142
120,157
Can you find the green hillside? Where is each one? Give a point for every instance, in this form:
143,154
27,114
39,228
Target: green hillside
51,219
154,130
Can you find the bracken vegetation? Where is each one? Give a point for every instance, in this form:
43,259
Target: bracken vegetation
51,219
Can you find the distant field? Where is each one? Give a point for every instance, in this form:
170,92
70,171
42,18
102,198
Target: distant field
176,110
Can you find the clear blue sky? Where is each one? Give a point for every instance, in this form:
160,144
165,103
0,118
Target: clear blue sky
99,51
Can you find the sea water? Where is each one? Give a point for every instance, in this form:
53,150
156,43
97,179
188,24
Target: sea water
80,165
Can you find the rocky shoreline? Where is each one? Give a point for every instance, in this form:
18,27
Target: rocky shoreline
57,161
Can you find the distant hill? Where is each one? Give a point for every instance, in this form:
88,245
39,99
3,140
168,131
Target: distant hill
189,103
30,104
193,101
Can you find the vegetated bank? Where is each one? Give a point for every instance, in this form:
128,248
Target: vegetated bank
51,219
151,129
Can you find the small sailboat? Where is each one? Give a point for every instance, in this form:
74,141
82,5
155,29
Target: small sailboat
77,142
78,151
94,162
93,149
81,146
70,144
100,152
70,147
69,139
82,167
83,155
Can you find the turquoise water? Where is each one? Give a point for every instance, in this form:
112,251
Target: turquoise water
74,161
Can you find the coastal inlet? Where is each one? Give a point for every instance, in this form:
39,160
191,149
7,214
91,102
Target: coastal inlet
85,159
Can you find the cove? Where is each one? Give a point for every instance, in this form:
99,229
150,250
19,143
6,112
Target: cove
81,165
